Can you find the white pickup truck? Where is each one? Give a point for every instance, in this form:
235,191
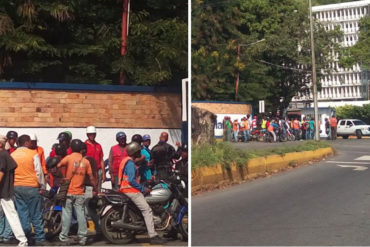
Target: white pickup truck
347,127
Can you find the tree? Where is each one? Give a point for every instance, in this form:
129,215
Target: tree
274,70
360,52
78,41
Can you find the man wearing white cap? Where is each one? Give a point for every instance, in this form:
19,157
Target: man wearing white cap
7,167
95,151
40,151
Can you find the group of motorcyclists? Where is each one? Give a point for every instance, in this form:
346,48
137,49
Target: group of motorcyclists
74,166
273,128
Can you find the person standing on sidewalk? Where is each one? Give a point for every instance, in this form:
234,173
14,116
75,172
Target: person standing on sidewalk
40,151
228,129
333,127
27,182
7,168
77,168
235,129
95,150
116,155
245,128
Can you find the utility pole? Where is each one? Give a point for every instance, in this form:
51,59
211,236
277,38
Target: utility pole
237,61
124,34
316,109
237,75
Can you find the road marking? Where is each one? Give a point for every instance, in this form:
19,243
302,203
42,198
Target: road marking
357,168
348,162
364,157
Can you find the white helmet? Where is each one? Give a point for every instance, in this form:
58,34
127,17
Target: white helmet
33,137
90,130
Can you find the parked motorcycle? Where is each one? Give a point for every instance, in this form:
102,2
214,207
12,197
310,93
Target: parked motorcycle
258,135
121,220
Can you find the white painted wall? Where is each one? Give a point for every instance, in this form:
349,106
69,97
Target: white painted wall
105,136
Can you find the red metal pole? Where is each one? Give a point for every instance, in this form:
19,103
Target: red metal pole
237,75
124,36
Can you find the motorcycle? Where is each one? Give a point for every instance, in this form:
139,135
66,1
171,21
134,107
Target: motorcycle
258,135
121,220
52,215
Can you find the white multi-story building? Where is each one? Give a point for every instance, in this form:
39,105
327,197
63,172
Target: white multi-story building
342,84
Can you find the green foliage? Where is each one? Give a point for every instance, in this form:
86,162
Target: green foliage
274,70
79,41
360,52
354,112
225,154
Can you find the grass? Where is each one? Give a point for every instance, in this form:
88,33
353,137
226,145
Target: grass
223,153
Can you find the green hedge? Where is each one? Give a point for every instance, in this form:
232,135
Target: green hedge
356,112
224,153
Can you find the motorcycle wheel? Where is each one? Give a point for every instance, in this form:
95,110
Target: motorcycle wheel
261,138
291,137
184,227
117,236
53,226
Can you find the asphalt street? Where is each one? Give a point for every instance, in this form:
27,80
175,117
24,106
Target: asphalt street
326,203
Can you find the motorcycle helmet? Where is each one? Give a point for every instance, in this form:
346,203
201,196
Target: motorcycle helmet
52,162
12,135
63,136
120,135
184,147
76,145
137,138
60,150
91,130
132,148
146,137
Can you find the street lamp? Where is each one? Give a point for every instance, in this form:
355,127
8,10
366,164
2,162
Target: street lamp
316,109
237,59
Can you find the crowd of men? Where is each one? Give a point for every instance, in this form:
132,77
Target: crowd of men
303,129
25,172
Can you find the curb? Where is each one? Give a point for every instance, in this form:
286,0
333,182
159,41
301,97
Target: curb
205,177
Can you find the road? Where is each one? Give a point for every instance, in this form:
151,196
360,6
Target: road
327,203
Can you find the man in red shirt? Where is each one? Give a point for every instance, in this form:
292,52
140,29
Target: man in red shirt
95,151
116,155
12,137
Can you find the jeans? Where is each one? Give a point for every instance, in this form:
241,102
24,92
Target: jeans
77,202
229,134
115,185
312,134
308,134
141,203
246,135
235,135
5,230
28,204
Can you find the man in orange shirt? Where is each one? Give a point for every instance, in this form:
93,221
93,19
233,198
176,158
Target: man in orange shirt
40,151
77,167
235,130
28,178
333,127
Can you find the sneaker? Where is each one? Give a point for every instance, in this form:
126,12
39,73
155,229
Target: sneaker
157,240
82,243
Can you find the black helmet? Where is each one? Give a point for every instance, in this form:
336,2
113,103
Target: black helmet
83,146
76,145
132,148
137,138
12,135
60,150
184,147
63,136
52,162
